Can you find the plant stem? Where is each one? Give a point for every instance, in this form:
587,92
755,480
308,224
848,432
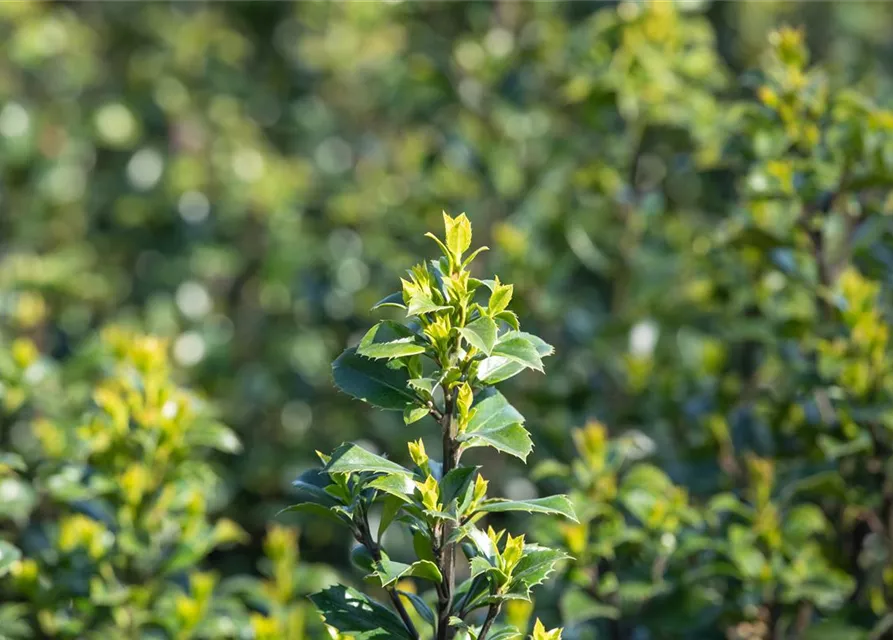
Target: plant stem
365,538
446,551
491,617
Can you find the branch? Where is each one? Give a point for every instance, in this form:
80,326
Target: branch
365,538
491,618
446,551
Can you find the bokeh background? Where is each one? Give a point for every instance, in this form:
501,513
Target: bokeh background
249,178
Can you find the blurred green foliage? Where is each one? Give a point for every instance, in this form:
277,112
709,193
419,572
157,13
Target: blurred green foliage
694,212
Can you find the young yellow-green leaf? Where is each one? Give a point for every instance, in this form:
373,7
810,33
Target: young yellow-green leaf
389,340
500,297
458,235
357,615
420,304
371,381
553,505
540,633
480,334
349,458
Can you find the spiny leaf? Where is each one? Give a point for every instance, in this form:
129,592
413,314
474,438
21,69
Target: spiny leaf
371,381
419,304
349,458
555,505
498,424
354,614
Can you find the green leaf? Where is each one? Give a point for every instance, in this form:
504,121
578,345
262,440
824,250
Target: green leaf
397,485
536,564
480,334
349,458
555,505
497,424
371,381
390,507
498,368
420,606
519,349
420,304
455,483
499,298
353,613
413,413
505,633
312,484
390,572
8,556
393,300
389,339
458,234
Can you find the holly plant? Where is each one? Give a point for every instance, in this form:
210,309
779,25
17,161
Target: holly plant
458,340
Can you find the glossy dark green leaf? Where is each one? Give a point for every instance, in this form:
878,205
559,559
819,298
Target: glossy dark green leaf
357,615
390,572
394,300
371,381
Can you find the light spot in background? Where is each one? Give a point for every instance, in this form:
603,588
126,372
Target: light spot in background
520,489
471,92
10,490
352,275
65,183
333,155
338,305
248,165
470,55
169,410
116,124
345,242
193,207
193,300
144,169
296,418
189,348
643,338
14,120
499,42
